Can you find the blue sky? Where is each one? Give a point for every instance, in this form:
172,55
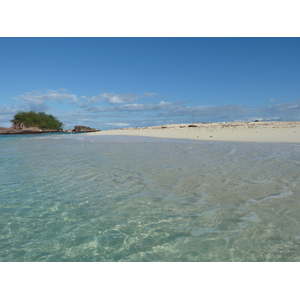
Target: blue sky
109,83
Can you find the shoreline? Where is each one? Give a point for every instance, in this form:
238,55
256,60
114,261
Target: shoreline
269,131
13,131
9,131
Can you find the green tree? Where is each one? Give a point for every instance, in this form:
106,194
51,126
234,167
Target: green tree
40,120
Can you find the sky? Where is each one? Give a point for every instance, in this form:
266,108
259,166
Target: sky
109,83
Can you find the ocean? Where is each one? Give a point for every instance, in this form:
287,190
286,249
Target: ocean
89,198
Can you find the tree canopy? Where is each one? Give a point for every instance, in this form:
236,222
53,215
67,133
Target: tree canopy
40,120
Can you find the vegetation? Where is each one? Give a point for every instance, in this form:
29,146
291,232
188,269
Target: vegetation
82,128
40,120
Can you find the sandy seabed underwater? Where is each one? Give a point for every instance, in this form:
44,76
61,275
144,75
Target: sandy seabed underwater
100,198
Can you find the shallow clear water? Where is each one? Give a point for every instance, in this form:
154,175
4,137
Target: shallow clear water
96,198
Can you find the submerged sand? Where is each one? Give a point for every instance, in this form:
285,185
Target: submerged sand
275,131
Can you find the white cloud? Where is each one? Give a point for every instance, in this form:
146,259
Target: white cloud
154,106
150,95
36,100
49,95
121,110
6,110
289,108
120,99
118,124
110,98
162,112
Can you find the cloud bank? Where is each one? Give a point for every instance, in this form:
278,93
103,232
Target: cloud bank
109,110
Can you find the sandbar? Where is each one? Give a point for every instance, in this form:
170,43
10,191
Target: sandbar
270,131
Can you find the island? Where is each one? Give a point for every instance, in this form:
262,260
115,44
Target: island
80,128
35,123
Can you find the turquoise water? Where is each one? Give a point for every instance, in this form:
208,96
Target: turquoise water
96,198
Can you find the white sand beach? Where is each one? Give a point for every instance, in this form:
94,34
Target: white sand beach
273,131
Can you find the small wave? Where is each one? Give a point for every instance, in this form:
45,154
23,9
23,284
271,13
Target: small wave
255,201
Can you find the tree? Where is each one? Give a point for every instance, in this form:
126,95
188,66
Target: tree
40,120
